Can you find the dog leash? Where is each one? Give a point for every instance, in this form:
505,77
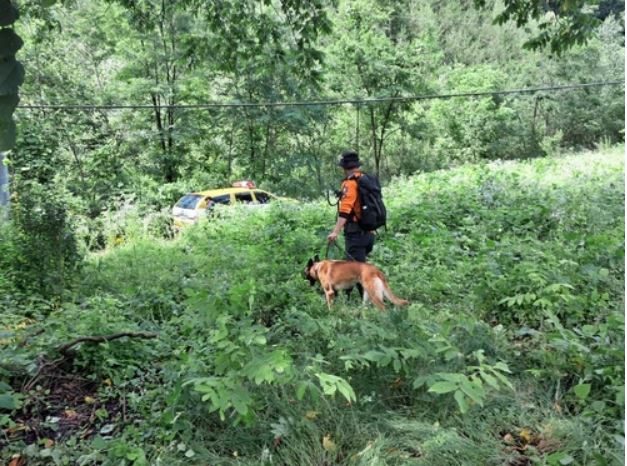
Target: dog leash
346,254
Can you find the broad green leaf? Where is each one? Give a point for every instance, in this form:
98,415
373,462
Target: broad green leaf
98,443
542,302
474,392
419,382
582,390
397,365
7,401
461,401
212,381
327,383
502,367
451,377
241,400
490,380
262,373
559,458
346,390
301,388
411,353
504,380
443,387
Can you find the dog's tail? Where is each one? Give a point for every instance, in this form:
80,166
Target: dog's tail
387,292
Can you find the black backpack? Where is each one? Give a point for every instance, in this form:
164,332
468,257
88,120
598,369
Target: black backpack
373,213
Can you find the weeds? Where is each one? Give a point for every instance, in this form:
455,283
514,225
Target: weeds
510,353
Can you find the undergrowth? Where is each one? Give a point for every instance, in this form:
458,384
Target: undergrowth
511,351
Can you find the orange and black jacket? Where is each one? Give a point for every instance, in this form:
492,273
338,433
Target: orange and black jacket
349,206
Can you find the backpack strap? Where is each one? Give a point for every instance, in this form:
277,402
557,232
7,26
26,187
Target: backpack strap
351,180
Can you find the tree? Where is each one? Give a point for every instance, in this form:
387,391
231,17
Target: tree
11,73
160,54
11,76
179,52
561,23
376,54
474,129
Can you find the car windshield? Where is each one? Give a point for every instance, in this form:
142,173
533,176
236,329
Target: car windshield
188,201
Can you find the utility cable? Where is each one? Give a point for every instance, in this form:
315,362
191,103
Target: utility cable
314,103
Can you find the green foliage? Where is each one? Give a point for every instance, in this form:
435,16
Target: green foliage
11,73
475,129
376,52
470,389
562,24
166,54
42,248
515,271
515,326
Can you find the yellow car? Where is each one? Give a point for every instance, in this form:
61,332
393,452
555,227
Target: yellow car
192,206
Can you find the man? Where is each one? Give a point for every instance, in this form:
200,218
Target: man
358,243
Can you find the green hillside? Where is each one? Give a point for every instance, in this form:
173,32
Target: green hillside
511,351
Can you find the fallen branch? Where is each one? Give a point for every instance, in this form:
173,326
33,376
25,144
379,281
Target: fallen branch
64,349
43,365
65,352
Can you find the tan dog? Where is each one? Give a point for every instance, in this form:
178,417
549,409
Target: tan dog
344,275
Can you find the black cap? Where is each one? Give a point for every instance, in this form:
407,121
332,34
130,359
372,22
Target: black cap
350,159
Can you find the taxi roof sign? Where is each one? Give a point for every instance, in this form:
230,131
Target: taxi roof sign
244,184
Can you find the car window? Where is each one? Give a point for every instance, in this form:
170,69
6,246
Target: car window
245,198
224,199
262,198
189,201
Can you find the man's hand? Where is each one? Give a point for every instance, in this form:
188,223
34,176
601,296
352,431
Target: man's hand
341,221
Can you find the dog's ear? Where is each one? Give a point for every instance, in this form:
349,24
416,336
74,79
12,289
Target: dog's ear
316,258
310,263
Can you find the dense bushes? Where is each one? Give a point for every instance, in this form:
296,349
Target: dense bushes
40,252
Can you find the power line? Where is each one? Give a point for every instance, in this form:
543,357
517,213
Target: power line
314,103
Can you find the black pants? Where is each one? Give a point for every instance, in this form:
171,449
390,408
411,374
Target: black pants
358,243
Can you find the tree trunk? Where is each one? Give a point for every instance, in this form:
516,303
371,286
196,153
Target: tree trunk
230,160
157,108
384,124
373,129
378,139
319,157
167,123
4,188
357,111
251,143
535,112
